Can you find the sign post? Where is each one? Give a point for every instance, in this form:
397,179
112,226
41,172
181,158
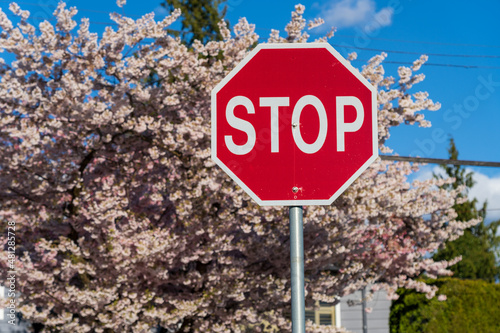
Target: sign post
297,270
294,125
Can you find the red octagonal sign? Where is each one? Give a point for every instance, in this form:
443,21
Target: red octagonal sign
294,124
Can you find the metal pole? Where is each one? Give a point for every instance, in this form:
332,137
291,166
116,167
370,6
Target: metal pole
363,310
297,269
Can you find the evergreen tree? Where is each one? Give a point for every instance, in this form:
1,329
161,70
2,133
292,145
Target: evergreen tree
200,19
478,244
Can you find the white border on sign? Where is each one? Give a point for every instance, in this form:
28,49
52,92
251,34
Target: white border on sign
344,62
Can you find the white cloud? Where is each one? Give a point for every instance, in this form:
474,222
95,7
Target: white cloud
487,188
355,13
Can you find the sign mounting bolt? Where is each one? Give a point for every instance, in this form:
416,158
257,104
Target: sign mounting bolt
295,125
295,189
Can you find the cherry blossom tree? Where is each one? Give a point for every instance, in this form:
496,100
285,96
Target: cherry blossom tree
125,224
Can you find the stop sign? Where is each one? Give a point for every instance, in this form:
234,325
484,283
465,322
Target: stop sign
294,124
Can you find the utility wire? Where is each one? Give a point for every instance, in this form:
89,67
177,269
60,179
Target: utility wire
313,33
439,161
442,65
420,42
418,53
432,64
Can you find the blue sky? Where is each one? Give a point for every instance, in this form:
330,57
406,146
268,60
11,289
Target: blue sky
462,39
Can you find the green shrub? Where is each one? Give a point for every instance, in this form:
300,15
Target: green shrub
472,306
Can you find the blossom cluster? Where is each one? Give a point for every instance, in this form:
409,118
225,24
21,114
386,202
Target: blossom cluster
126,224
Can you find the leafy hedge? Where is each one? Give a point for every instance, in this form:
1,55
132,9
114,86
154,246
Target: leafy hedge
472,306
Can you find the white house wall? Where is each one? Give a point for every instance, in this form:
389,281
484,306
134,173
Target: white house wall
377,321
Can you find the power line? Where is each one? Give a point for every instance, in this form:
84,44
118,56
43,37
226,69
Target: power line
421,42
434,64
443,65
312,33
418,53
439,161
